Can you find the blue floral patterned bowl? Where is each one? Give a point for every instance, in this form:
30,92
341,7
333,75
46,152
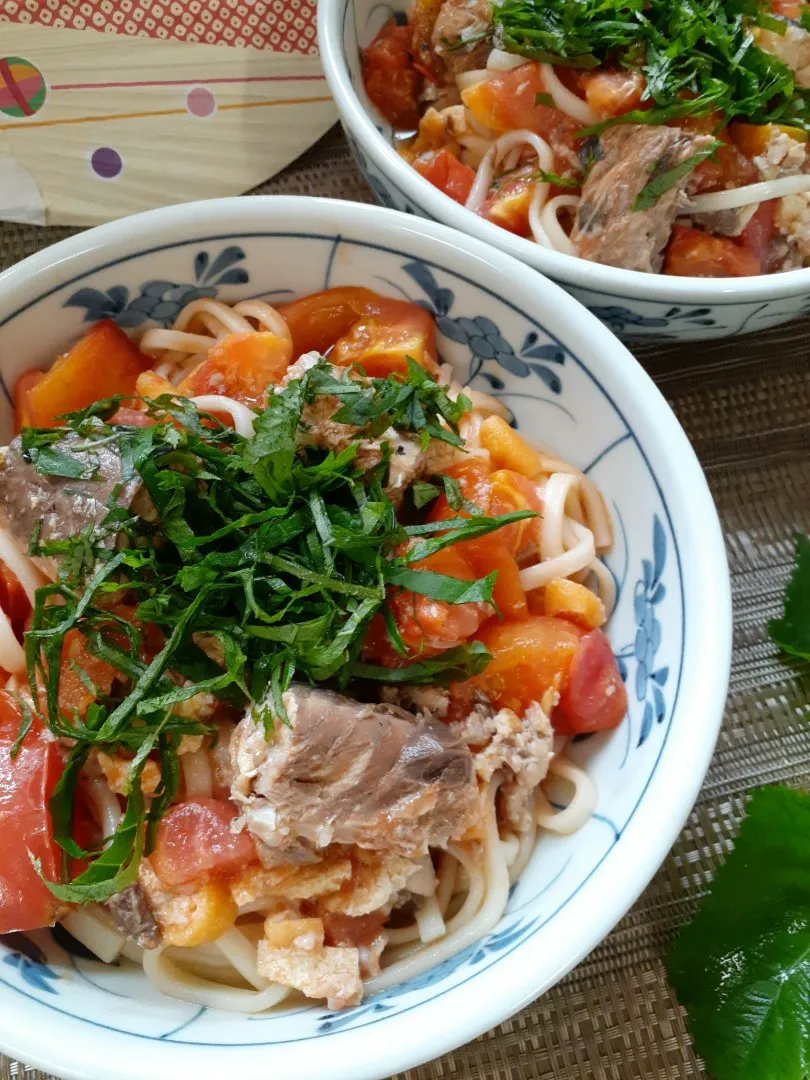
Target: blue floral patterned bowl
634,305
569,383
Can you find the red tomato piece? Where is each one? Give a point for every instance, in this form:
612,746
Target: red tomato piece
101,364
241,366
692,253
446,173
613,93
391,79
13,600
757,236
510,101
195,842
73,693
593,696
382,341
132,418
26,784
508,202
529,657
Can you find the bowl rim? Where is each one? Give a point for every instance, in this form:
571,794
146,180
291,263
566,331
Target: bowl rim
672,786
609,281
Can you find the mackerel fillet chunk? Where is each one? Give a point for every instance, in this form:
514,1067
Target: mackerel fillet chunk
344,772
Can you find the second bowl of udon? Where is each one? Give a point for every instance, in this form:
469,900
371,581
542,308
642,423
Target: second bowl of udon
625,501
635,305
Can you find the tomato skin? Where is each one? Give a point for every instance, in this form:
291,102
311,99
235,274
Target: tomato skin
757,236
13,599
195,843
529,657
593,696
391,79
26,784
446,173
22,413
692,253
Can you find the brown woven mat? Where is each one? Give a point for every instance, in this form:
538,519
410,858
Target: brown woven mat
745,405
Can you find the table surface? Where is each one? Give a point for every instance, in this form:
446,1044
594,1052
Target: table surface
745,405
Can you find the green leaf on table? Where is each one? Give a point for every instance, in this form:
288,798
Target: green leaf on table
741,968
792,631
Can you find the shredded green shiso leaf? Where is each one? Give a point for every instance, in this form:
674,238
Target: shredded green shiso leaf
277,555
698,56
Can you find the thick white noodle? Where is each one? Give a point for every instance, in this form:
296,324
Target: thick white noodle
108,809
605,585
228,317
241,953
267,317
20,565
197,774
565,100
499,60
12,655
494,891
446,874
466,79
524,852
154,341
555,495
750,193
558,237
576,558
430,921
579,809
241,415
510,845
94,934
495,155
167,977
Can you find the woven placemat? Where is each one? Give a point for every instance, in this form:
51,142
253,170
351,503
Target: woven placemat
745,405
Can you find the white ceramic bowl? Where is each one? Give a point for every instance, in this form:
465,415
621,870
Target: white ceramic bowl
632,304
570,383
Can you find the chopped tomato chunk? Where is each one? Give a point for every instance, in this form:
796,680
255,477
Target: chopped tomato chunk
613,93
101,364
529,657
593,695
391,79
194,842
13,599
26,784
80,670
382,341
510,101
428,626
692,253
26,382
757,236
446,173
132,417
508,202
241,366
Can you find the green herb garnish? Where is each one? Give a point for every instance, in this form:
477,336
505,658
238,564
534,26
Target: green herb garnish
697,58
256,561
660,182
